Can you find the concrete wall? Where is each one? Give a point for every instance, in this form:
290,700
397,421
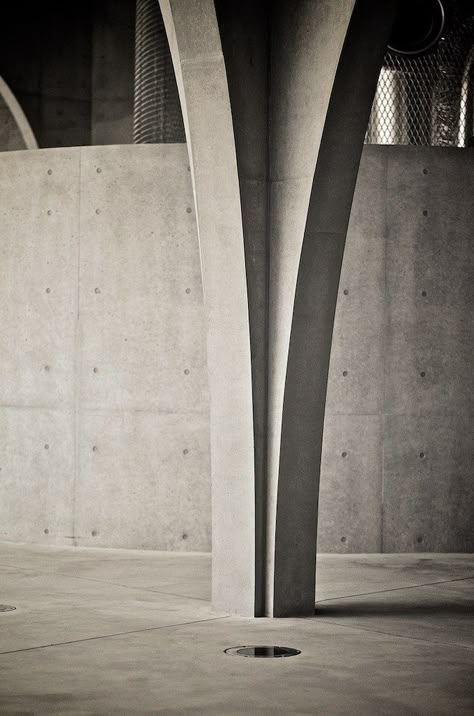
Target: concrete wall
104,407
397,472
100,270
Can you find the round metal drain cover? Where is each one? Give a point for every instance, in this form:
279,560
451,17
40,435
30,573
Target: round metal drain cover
6,608
262,652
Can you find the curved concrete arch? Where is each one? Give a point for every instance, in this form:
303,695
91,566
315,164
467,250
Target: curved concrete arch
194,40
309,36
287,51
315,302
273,164
19,117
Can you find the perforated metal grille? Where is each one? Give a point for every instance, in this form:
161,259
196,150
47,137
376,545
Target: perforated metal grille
427,99
157,111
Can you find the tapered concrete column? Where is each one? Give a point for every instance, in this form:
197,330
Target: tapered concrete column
193,35
261,170
281,59
314,304
307,40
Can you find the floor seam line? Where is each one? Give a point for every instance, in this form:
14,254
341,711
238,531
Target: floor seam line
395,589
111,636
101,581
125,586
398,636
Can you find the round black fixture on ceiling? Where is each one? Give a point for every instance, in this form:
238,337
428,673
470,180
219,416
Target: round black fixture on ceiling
262,652
418,27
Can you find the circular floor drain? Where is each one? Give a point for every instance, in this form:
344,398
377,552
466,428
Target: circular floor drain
6,608
262,652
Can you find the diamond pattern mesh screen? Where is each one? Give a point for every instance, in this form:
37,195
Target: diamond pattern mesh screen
427,99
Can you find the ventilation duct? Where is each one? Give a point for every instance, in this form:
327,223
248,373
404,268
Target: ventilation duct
418,28
157,117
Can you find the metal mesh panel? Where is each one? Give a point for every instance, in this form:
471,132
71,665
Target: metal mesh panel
427,99
157,117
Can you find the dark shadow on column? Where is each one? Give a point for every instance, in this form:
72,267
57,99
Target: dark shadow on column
315,303
244,27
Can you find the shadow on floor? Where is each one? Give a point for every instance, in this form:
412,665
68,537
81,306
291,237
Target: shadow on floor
407,608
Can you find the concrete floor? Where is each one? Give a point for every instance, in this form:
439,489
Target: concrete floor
100,631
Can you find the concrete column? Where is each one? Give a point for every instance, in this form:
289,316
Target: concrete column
195,46
314,305
255,161
307,38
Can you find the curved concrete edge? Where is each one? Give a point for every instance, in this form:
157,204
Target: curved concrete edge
315,303
309,36
18,115
194,40
245,40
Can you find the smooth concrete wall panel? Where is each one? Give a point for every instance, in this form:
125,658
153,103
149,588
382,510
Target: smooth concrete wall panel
100,269
144,420
351,484
428,252
406,311
140,282
37,475
147,484
429,495
358,338
39,242
38,286
144,481
428,490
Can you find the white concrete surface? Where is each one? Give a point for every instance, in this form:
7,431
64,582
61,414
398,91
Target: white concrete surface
103,400
194,40
146,325
405,483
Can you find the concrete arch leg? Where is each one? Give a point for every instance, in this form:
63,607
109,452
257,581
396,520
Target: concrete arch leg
276,99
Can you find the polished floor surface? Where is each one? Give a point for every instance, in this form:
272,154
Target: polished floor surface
100,631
